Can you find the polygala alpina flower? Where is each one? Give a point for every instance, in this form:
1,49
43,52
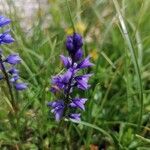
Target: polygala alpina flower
4,21
11,60
65,83
20,86
6,38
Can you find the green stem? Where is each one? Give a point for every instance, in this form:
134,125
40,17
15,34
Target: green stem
12,100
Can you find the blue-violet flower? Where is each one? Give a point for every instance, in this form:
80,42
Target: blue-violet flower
11,60
71,79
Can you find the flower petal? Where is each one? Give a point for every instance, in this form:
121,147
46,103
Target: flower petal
85,63
20,86
75,116
13,59
6,38
82,81
4,21
66,61
78,103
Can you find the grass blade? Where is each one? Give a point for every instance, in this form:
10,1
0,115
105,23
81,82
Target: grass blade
94,127
134,59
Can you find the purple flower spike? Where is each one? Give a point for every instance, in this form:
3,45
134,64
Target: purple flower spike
20,86
63,85
57,109
85,63
78,103
4,21
6,38
75,116
13,59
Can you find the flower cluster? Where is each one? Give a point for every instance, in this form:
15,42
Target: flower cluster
7,65
71,79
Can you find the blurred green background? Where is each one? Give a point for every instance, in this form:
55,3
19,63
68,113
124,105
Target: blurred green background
117,36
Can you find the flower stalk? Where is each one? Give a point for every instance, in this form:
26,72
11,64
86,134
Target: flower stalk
6,77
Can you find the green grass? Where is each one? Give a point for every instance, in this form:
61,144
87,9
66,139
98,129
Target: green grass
117,111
